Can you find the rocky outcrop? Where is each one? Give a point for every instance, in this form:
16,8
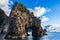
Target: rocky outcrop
37,29
2,16
17,22
20,20
3,20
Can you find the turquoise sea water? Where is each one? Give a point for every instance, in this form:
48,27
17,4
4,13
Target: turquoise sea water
50,36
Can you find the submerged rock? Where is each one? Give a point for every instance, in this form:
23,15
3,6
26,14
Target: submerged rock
20,20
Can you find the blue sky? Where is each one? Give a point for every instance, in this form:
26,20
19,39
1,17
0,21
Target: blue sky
34,3
48,10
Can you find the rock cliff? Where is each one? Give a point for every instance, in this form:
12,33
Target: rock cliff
3,20
20,20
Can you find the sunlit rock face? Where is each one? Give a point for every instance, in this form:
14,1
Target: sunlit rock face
20,20
17,22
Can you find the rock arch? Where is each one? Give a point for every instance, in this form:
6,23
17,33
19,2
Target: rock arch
19,22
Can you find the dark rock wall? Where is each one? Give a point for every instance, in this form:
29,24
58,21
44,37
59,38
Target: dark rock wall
3,20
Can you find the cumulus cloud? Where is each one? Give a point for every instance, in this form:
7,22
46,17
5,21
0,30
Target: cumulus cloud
2,2
39,11
44,18
4,5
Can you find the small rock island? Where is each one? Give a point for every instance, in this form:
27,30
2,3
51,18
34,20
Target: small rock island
20,20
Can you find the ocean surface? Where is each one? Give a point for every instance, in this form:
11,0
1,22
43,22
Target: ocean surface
49,36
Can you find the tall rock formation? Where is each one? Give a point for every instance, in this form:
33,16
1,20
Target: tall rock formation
2,16
20,20
3,20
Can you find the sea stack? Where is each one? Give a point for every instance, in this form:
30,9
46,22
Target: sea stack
20,19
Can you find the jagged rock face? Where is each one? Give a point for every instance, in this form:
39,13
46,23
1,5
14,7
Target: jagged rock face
2,16
17,22
37,29
20,20
3,20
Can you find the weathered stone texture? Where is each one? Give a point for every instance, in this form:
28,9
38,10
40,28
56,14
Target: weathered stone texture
20,20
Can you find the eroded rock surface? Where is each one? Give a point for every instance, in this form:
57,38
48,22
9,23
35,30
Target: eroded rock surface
3,20
20,20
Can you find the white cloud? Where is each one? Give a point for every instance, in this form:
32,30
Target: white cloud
44,18
4,5
39,11
2,2
54,28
